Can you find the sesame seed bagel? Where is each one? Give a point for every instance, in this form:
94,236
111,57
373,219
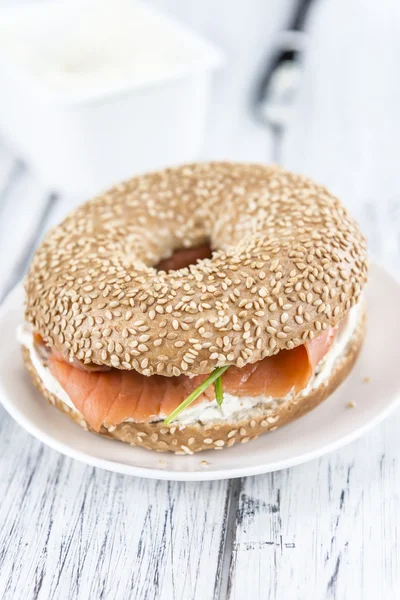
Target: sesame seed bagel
288,261
192,438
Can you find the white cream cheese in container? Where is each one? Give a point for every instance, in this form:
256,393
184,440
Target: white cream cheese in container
95,91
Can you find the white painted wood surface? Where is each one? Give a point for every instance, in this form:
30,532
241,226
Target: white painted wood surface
327,529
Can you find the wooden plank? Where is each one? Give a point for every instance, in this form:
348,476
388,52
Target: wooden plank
327,529
10,173
73,531
25,208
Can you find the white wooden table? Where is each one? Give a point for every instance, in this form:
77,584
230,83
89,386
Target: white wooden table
326,529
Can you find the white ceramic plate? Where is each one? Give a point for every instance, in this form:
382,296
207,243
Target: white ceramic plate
330,426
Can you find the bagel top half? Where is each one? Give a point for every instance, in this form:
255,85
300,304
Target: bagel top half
288,261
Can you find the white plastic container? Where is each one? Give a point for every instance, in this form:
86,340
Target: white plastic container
84,119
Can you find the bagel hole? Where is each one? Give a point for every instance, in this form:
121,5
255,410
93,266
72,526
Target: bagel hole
184,257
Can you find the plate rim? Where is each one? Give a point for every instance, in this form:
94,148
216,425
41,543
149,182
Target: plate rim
190,476
166,474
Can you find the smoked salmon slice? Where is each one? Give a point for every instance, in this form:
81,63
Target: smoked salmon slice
114,396
90,392
123,405
149,402
319,346
277,375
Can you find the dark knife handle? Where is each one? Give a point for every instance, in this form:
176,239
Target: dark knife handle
283,52
299,18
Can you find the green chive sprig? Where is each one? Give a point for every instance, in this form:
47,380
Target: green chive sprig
219,393
214,377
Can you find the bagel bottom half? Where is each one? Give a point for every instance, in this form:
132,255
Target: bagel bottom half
187,439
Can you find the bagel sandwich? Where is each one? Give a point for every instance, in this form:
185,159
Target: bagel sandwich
196,307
